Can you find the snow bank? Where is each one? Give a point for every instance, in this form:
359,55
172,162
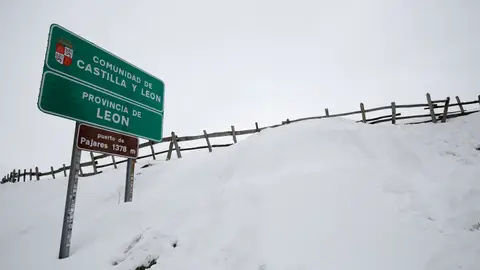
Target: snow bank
324,194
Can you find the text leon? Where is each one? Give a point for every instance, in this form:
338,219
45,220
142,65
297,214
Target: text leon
106,114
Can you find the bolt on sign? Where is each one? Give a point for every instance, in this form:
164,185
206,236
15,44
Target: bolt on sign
94,139
88,84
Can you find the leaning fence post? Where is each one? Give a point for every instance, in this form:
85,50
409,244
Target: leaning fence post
256,127
208,141
394,113
170,149
460,105
362,109
94,165
327,114
175,142
114,162
53,173
445,110
430,106
64,170
152,149
233,135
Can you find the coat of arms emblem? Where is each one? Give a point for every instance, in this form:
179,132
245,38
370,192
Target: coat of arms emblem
64,52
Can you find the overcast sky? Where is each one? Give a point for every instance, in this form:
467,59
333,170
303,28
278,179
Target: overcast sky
236,62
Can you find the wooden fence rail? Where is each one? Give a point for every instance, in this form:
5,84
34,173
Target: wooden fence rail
393,116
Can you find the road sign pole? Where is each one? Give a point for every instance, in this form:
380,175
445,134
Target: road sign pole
71,198
129,180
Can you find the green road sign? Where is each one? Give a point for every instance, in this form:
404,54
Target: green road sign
85,83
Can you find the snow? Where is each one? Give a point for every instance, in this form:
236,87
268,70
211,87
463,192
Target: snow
320,194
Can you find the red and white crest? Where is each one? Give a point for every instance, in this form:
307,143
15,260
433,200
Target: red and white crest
64,53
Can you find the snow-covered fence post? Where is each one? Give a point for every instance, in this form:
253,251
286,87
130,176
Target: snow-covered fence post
445,110
233,135
460,105
208,141
394,113
430,107
362,109
152,149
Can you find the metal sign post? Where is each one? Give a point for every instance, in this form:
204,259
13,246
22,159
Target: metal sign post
129,180
71,198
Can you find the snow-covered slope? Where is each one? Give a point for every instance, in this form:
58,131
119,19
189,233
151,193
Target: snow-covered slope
325,194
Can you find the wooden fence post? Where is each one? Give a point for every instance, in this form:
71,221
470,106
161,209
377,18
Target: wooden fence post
445,110
152,149
30,174
327,114
170,149
53,173
94,165
24,174
13,176
18,179
175,142
394,113
64,170
233,135
430,106
460,105
208,141
114,163
362,109
37,173
256,127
